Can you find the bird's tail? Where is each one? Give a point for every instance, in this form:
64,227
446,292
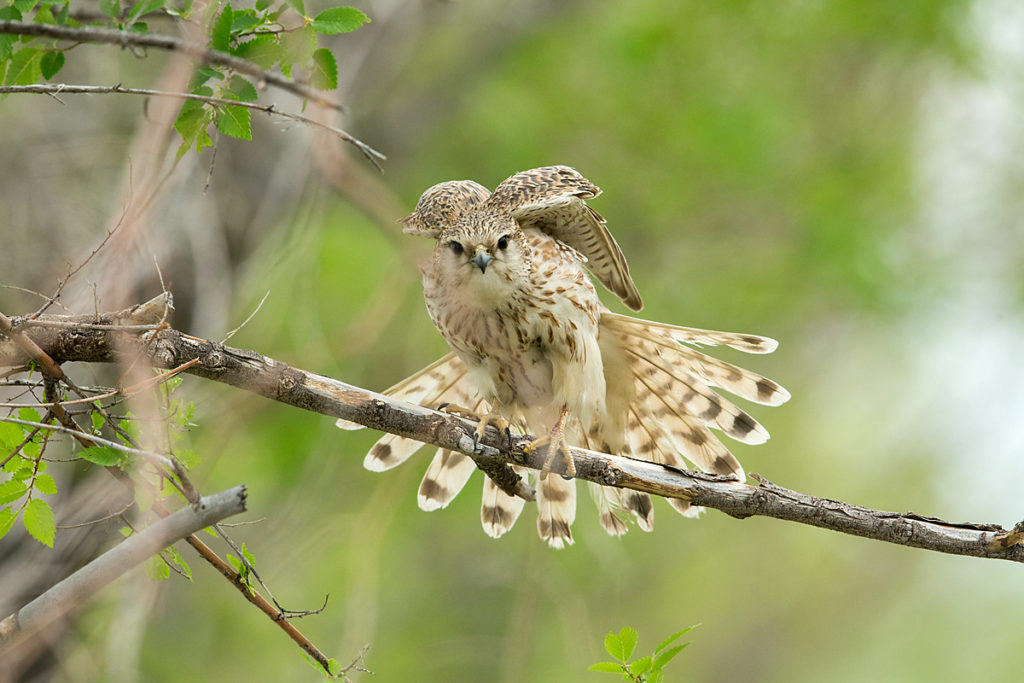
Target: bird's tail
660,391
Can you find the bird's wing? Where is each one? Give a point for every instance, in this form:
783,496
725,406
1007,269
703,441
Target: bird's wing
552,200
442,381
442,204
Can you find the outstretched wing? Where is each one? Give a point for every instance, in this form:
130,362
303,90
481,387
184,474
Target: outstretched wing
442,204
551,199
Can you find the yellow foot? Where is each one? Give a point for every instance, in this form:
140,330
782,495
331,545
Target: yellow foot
482,422
556,445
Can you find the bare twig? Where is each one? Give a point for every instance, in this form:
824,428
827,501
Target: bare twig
276,380
78,587
369,152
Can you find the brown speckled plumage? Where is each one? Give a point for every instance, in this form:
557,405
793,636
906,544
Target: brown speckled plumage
507,289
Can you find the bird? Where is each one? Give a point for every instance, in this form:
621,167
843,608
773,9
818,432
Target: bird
534,348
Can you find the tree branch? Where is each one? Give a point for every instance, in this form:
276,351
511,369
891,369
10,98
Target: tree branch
168,348
97,34
56,89
76,588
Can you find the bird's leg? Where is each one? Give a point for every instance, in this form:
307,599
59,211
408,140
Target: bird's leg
556,445
482,422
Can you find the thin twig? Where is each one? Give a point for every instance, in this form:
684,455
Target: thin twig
246,321
369,152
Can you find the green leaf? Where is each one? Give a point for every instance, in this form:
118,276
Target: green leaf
220,39
234,121
298,5
51,63
621,645
325,70
241,89
10,436
157,569
243,20
101,455
11,491
144,7
29,414
339,20
248,556
666,656
45,484
24,5
333,667
44,16
180,561
24,67
607,667
97,420
261,50
675,636
111,8
7,517
656,676
38,518
263,4
641,666
298,47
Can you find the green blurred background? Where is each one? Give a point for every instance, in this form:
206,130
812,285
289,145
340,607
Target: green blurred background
845,177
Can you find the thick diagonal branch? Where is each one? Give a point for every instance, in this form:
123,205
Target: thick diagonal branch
88,580
168,348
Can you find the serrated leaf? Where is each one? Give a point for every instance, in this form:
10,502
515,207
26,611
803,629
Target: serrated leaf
7,13
299,46
157,569
675,636
298,5
101,455
38,519
621,645
23,472
261,50
29,414
243,20
45,484
641,666
44,16
23,68
111,8
24,5
333,667
607,667
177,559
234,121
667,656
10,436
144,7
248,556
11,491
325,70
339,20
243,90
220,39
51,63
7,517
97,420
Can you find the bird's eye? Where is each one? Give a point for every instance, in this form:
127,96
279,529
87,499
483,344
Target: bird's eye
456,247
503,242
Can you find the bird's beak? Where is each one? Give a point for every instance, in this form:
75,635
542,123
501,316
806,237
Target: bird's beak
481,260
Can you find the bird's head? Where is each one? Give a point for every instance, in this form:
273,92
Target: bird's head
484,249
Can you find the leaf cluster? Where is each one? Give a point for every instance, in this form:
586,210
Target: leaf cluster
647,669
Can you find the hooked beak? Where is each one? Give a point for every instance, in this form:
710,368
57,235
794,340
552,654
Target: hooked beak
481,260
